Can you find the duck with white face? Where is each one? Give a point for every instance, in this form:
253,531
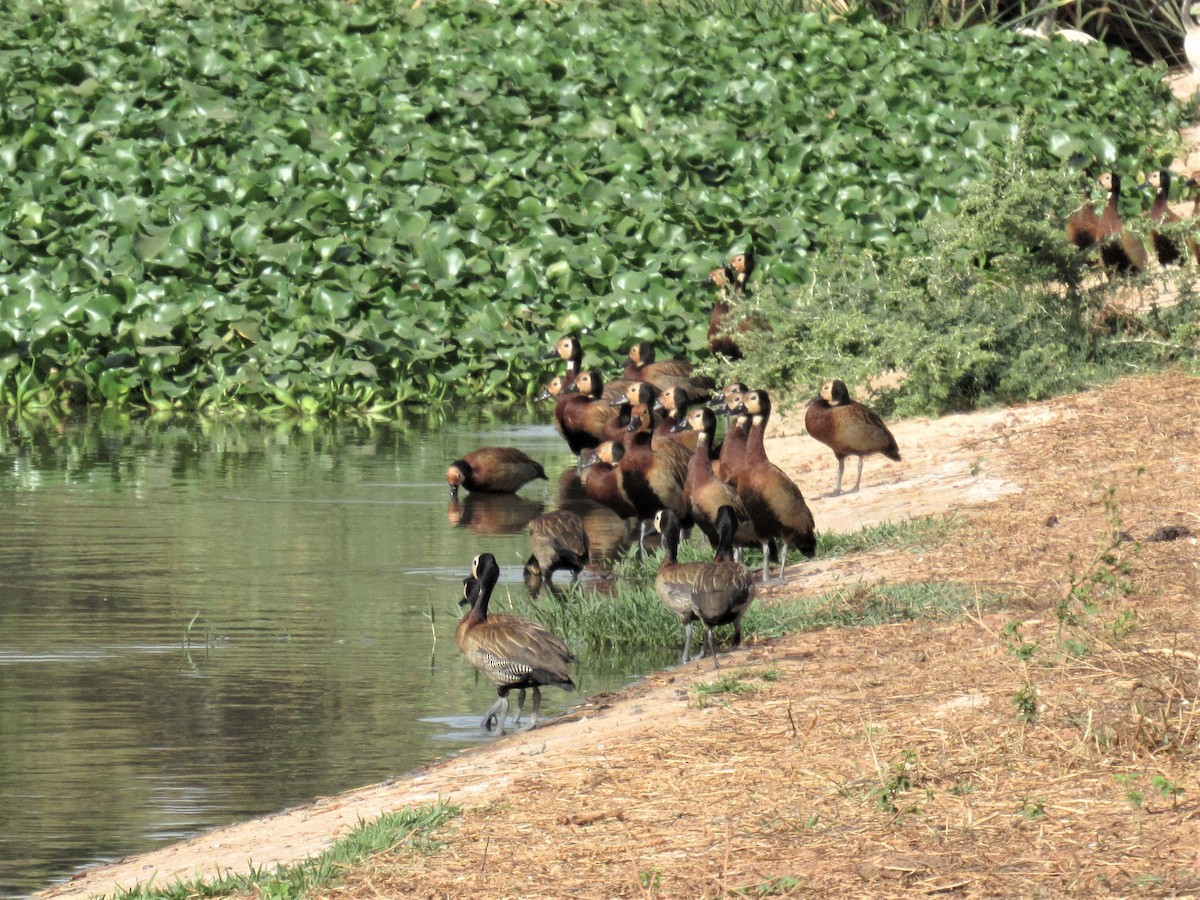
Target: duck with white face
848,428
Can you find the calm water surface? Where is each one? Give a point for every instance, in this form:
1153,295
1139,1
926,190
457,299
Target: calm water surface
202,622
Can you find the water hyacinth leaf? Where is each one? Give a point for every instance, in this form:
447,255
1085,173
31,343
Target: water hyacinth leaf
301,160
246,237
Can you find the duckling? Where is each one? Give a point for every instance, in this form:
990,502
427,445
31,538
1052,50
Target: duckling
558,541
848,428
511,651
717,593
1120,249
775,504
495,470
1166,247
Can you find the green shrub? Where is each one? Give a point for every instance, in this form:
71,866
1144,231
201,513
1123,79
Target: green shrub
994,309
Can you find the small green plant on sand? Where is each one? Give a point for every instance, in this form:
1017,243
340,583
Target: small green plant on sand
894,779
1026,702
780,886
1032,808
1167,788
1019,647
650,880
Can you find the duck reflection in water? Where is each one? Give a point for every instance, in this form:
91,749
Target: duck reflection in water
493,513
608,533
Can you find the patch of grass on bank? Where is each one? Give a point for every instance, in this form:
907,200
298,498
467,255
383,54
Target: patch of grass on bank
908,535
860,606
630,617
409,828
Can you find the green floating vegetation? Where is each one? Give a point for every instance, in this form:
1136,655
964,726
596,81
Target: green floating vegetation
317,206
410,829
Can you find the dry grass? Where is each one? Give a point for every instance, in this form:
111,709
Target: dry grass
1059,758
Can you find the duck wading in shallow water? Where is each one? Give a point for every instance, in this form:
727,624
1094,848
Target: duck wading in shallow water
558,541
493,470
512,652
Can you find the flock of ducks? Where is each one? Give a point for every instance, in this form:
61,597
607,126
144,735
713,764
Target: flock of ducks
1120,247
647,450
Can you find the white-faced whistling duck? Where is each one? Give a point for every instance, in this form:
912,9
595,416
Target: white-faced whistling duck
493,470
638,392
848,428
741,267
730,281
651,479
720,341
558,541
774,502
1083,224
581,412
600,480
1120,249
717,593
570,350
737,424
1166,246
674,403
703,492
553,388
635,392
512,652
642,365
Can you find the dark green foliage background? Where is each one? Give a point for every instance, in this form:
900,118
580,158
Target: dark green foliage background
324,206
